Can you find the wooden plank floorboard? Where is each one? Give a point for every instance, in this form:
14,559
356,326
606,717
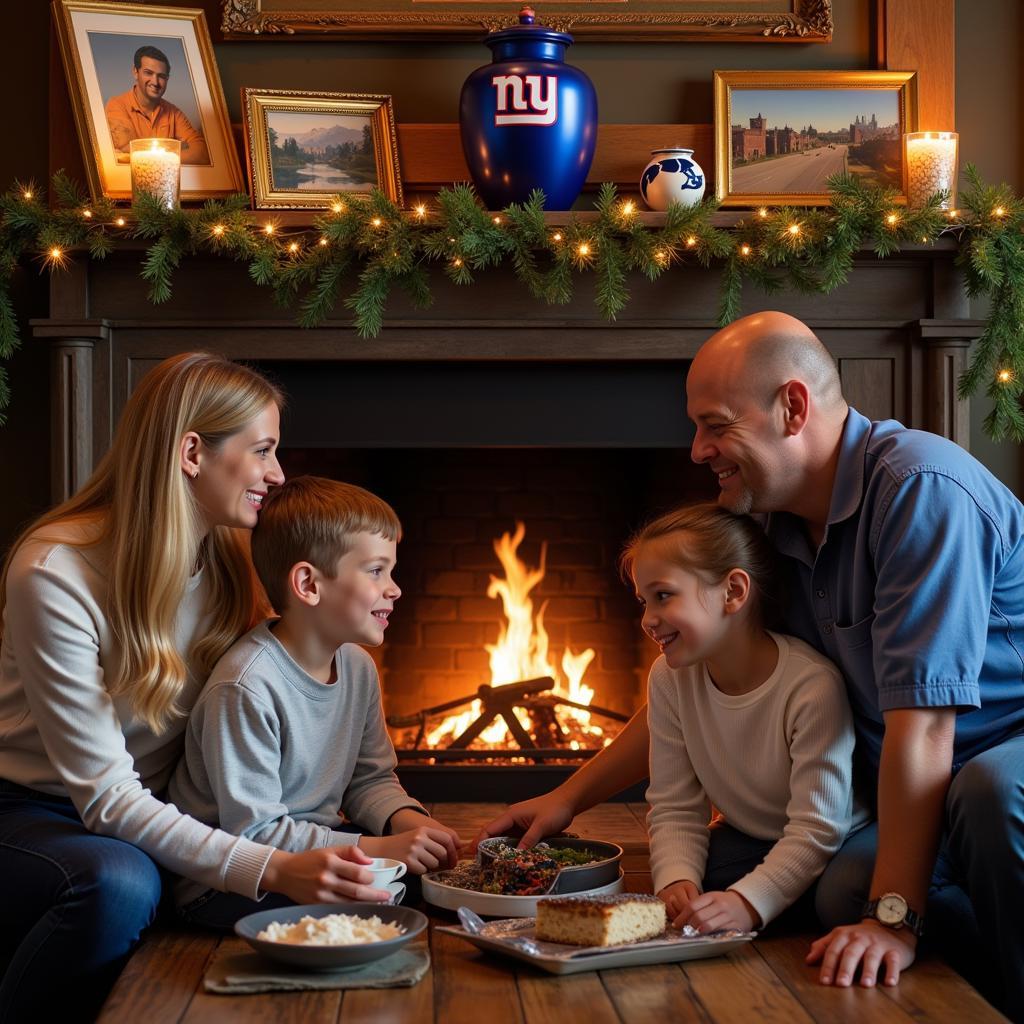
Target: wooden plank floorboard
547,999
471,987
660,992
159,981
742,987
931,991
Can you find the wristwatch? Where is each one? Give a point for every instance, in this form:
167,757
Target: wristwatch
893,911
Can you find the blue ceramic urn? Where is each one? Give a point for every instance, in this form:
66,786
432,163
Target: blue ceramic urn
528,119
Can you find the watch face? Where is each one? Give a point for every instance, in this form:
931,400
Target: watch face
892,909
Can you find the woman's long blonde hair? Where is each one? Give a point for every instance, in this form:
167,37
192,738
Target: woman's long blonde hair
146,511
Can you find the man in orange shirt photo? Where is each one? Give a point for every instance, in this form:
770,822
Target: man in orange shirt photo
143,113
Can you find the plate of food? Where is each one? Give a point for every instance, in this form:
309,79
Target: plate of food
331,936
572,934
505,881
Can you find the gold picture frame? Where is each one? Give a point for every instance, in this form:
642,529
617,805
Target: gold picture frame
332,133
100,42
769,151
724,21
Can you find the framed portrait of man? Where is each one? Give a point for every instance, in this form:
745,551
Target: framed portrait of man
141,72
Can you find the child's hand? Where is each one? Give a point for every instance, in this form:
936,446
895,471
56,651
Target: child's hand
676,898
322,876
423,849
716,911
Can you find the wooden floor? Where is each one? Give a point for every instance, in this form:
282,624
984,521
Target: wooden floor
766,981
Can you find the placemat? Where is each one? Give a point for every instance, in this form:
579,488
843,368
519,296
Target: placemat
245,973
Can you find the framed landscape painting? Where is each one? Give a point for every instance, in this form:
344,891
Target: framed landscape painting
779,136
137,71
305,148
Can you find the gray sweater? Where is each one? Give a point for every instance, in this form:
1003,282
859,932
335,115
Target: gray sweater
272,754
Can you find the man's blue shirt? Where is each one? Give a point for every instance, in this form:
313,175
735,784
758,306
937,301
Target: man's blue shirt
917,590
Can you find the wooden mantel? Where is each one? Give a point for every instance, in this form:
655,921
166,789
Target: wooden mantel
899,330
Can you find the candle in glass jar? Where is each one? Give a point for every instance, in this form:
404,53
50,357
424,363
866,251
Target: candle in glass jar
931,165
156,170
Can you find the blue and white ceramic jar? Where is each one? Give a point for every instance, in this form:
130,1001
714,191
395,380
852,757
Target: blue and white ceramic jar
528,119
672,176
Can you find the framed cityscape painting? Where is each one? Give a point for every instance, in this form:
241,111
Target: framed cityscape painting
780,135
306,148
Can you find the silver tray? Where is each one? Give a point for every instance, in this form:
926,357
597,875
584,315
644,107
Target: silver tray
506,937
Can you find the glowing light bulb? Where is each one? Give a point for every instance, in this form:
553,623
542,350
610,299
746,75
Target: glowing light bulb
87,214
891,219
745,250
999,212
421,210
337,207
763,212
794,229
691,241
218,229
628,207
557,236
323,241
584,249
294,247
497,220
27,194
120,222
1004,376
376,222
268,229
457,262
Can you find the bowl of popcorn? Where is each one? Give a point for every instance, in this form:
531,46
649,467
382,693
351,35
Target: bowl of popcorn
331,936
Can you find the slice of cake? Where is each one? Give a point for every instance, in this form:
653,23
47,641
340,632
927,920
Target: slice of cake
600,920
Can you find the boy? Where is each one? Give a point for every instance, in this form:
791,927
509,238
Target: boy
289,727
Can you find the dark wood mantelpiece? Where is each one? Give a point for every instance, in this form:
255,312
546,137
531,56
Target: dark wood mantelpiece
899,329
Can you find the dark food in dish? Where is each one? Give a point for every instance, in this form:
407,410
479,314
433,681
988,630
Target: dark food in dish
512,872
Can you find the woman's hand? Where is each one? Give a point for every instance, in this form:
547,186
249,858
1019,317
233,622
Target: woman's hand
423,849
709,911
542,816
322,876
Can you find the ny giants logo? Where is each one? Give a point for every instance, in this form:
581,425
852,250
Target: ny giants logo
528,104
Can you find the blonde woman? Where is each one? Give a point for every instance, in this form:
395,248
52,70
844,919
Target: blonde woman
114,607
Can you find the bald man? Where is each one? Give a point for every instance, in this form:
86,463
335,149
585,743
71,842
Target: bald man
906,565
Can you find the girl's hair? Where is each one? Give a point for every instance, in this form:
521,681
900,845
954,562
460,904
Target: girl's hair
710,542
145,510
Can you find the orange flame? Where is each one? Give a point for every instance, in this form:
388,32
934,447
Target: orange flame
521,652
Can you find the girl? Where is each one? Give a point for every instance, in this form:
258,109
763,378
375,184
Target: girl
113,608
752,722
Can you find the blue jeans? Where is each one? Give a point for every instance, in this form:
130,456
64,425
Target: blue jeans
74,905
973,916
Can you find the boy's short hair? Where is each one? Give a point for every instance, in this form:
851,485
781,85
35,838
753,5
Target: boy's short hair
313,519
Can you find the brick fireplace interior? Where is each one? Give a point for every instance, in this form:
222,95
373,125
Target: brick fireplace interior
579,454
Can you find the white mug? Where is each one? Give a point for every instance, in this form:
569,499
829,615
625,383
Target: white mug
385,870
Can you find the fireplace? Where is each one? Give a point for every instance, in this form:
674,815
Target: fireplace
516,490
482,413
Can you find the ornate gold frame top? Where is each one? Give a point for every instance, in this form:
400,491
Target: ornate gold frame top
799,21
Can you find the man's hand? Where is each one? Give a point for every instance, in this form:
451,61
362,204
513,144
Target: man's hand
676,898
542,816
867,945
717,911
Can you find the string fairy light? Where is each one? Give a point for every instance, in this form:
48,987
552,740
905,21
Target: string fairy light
376,222
421,210
794,229
745,250
891,219
763,213
218,229
293,247
337,207
583,249
557,236
691,242
323,240
87,214
1005,376
27,194
268,229
496,219
120,222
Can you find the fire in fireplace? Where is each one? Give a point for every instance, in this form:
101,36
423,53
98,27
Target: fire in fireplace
544,711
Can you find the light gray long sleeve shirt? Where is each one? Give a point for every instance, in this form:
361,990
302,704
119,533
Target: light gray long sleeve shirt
776,763
273,754
62,733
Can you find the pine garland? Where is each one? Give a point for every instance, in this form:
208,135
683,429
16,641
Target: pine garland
368,246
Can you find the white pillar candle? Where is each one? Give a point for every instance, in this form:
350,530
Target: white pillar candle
156,170
931,165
